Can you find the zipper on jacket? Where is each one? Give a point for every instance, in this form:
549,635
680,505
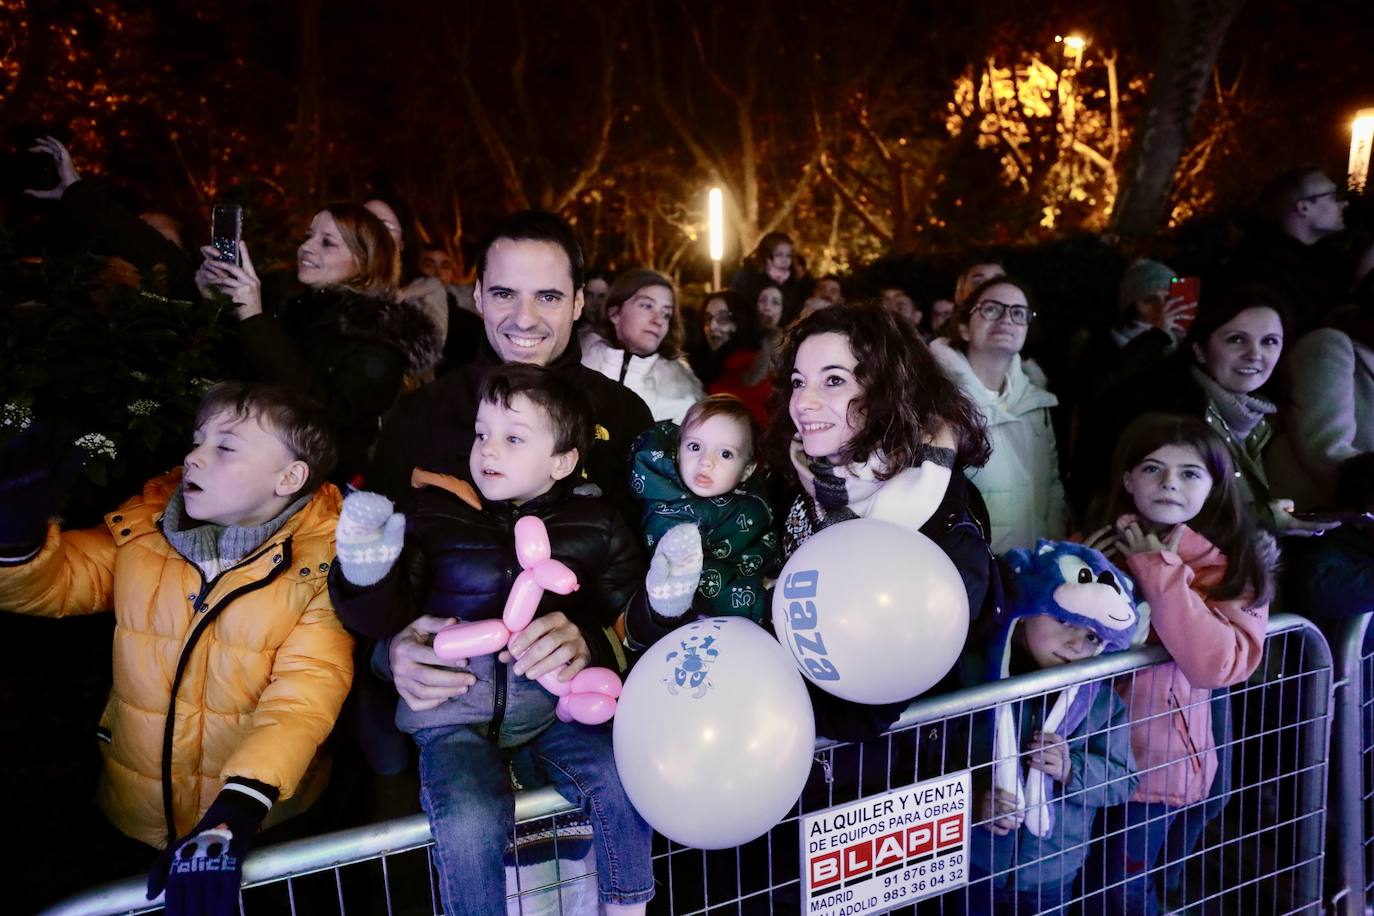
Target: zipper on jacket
500,673
498,712
206,619
625,366
1181,724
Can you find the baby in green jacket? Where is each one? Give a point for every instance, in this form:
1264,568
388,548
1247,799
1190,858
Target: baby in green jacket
700,477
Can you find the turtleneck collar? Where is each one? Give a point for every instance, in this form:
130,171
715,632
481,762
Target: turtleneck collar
1240,412
215,548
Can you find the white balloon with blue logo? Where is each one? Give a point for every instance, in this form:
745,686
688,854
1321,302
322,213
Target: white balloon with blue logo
714,733
871,612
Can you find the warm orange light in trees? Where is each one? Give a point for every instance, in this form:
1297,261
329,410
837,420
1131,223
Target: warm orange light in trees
1361,138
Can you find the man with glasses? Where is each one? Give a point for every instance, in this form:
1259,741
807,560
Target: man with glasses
1301,207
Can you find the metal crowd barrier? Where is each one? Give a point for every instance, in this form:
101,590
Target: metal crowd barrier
1254,846
1352,772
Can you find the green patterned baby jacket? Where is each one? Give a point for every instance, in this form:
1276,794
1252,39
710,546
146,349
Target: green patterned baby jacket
737,533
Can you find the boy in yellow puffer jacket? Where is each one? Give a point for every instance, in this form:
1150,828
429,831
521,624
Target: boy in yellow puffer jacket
230,665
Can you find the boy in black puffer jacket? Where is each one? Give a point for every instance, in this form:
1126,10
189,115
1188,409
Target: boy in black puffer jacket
459,561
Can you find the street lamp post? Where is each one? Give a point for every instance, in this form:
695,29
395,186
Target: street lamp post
1361,138
1073,48
715,208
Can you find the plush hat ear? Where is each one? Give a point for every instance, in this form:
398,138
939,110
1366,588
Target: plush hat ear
1043,547
1019,559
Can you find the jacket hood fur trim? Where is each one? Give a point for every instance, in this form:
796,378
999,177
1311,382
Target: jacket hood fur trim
404,325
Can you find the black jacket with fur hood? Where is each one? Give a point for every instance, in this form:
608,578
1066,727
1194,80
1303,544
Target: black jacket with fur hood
350,351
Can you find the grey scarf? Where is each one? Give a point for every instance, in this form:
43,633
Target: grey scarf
215,548
1240,412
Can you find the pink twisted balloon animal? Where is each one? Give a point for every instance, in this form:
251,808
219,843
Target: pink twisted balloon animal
589,697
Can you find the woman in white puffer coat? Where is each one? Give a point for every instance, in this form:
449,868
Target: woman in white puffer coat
982,352
638,341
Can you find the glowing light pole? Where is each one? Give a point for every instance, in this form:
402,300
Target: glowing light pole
715,208
1073,48
1361,138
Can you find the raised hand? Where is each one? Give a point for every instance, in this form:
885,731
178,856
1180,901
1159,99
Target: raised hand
237,281
66,171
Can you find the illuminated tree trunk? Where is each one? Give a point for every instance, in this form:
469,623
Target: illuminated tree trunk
1193,33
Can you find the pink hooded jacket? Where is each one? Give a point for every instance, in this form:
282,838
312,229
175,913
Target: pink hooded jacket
1214,643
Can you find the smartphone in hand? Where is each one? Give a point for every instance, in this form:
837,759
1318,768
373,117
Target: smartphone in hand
1339,517
1184,293
226,228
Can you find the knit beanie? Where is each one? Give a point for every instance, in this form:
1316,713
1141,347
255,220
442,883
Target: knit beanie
1141,278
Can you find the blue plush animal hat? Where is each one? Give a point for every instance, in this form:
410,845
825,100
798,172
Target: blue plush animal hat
1079,586
1072,583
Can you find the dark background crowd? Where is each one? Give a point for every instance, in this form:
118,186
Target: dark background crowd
906,156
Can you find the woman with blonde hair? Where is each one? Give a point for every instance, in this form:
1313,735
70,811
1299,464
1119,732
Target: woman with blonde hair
349,340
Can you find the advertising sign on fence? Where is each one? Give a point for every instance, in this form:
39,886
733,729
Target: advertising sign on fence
887,850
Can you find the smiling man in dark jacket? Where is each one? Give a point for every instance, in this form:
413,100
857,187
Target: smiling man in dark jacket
529,293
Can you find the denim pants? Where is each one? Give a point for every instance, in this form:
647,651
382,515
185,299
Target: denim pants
983,897
1123,861
465,789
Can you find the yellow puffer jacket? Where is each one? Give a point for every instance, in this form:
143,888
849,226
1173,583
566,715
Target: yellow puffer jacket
257,659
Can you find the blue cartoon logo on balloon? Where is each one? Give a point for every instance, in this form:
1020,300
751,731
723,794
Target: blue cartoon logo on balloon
693,658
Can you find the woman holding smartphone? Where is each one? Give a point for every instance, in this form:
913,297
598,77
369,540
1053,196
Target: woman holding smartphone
349,339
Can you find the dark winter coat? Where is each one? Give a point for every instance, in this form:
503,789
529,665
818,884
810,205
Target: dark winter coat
1311,279
120,232
433,429
460,562
349,351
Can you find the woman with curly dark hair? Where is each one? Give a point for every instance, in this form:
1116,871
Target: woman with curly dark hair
865,424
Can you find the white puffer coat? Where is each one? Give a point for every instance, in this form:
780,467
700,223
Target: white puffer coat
1020,483
668,386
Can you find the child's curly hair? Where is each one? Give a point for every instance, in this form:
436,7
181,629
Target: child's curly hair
906,396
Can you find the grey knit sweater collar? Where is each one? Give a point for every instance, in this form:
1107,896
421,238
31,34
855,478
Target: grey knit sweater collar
1240,412
215,548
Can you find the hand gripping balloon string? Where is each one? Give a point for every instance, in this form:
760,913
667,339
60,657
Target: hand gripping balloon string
589,697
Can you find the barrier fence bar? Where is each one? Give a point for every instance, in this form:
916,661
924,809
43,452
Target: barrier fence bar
1352,770
1255,845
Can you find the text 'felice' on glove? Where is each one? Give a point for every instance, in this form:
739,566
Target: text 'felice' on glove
202,871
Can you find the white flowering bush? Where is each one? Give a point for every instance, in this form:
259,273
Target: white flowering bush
15,416
97,446
143,407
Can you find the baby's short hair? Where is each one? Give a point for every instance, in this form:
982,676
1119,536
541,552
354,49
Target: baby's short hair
297,420
722,405
566,406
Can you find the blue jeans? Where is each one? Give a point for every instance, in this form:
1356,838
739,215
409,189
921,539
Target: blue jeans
983,898
1123,861
465,790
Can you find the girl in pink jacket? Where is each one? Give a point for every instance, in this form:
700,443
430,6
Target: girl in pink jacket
1184,534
